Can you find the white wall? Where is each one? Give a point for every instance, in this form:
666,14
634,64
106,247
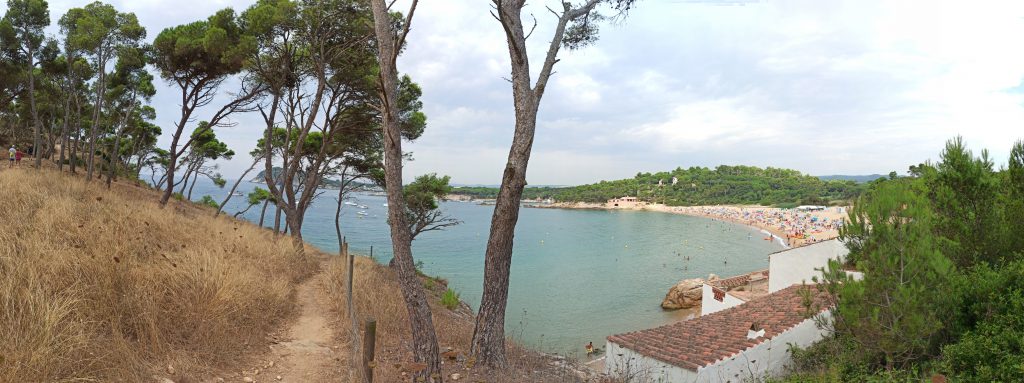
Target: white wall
623,362
795,266
769,358
708,303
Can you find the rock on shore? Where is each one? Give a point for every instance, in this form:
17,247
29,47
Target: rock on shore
686,294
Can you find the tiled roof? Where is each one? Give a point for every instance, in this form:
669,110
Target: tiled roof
707,339
737,281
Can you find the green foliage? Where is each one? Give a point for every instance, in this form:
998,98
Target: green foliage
421,209
28,18
202,51
702,186
835,359
450,299
943,286
989,325
894,312
206,145
208,201
258,195
964,191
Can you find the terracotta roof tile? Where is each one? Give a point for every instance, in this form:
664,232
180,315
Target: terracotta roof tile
710,338
737,281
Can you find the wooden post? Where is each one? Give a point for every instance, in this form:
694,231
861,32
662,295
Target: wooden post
369,345
371,252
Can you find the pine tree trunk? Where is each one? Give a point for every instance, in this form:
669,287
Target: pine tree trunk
32,103
488,344
263,212
425,349
195,177
220,208
64,129
78,134
277,219
98,107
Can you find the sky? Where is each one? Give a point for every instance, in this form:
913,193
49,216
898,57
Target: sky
824,87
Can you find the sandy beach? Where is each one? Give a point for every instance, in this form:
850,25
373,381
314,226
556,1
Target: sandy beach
794,228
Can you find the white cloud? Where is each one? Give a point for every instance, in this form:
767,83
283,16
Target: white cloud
823,87
717,123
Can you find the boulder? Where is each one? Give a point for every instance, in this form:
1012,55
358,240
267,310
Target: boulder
684,295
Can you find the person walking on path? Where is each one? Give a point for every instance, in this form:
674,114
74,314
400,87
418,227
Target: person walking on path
17,157
11,154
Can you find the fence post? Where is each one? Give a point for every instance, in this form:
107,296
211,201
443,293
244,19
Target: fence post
369,346
371,252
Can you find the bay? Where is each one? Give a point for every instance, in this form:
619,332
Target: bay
577,276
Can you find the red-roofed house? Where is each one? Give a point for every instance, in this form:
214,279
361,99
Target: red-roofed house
736,344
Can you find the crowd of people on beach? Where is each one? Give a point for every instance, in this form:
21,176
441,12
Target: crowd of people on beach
798,227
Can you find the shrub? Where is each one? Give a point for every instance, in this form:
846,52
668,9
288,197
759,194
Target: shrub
209,201
450,299
989,326
993,352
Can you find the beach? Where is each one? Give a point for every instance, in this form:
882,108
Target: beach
792,227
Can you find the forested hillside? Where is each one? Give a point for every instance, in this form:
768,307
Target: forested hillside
702,186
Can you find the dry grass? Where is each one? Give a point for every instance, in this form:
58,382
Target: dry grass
99,285
377,295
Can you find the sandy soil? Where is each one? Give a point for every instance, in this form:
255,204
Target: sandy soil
794,227
306,350
306,355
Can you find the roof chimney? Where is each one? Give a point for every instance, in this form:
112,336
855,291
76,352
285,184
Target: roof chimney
755,331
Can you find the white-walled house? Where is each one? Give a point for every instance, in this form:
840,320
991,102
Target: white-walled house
734,340
716,294
745,342
800,265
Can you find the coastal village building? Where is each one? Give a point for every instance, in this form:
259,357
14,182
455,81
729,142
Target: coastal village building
744,329
624,203
745,342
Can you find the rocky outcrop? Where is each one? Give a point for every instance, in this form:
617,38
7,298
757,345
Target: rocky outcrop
684,295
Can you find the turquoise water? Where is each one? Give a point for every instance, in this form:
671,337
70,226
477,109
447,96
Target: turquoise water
577,275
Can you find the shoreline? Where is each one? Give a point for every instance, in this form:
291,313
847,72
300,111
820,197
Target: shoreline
778,234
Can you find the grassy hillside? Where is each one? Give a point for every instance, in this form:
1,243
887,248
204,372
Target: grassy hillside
702,186
104,285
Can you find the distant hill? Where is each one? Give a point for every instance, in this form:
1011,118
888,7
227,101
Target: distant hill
701,186
861,179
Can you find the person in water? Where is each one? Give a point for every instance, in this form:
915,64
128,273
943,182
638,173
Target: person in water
590,348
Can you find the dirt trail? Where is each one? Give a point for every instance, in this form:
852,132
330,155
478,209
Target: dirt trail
307,349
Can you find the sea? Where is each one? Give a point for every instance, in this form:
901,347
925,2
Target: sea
577,276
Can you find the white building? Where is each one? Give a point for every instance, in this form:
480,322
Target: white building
734,340
747,342
800,265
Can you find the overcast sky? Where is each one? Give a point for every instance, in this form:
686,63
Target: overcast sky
824,87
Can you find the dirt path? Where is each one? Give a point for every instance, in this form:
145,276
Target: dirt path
306,351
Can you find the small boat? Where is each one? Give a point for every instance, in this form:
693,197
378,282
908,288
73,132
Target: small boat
362,213
362,207
237,194
384,205
349,203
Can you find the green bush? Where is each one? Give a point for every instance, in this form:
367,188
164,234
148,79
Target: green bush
989,326
993,352
209,201
450,299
